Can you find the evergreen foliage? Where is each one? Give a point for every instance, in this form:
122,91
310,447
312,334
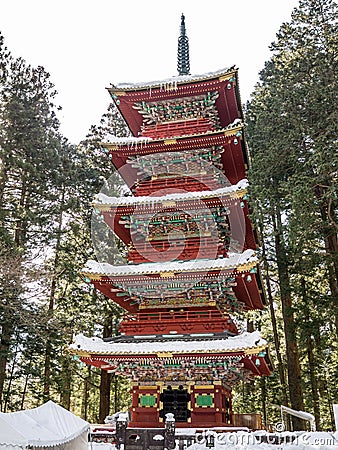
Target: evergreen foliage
292,129
46,187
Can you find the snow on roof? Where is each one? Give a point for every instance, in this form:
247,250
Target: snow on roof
234,260
241,342
127,140
102,199
131,141
172,82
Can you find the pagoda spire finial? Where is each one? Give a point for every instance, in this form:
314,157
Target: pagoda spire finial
183,64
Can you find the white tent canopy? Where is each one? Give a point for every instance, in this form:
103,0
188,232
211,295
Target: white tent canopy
47,426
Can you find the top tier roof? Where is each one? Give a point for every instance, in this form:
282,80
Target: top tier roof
223,82
172,82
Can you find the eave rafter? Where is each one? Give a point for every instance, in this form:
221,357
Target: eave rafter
147,145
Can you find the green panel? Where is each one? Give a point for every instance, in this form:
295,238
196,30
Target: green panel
204,400
147,400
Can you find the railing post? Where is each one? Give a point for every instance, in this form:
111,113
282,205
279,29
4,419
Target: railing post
210,439
169,432
180,443
120,434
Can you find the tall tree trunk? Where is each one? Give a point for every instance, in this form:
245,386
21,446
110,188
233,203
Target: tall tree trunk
105,382
327,395
263,399
24,392
11,375
116,394
311,359
50,312
85,394
3,180
20,227
313,379
66,380
331,247
5,340
293,365
47,371
280,366
329,232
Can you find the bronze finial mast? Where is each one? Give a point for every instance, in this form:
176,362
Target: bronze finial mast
183,64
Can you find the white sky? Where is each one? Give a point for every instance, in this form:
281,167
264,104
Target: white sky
85,45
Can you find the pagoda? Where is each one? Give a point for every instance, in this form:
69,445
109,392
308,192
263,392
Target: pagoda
192,262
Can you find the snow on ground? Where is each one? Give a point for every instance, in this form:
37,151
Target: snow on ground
254,441
268,441
100,446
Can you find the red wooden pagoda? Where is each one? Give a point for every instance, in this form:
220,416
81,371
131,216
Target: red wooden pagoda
191,252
